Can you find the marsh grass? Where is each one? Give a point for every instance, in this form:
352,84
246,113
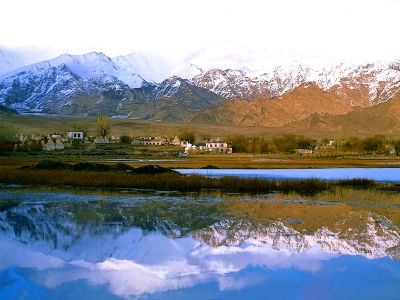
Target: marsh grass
167,181
177,182
357,183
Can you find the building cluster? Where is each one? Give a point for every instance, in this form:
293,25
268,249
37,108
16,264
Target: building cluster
214,146
325,146
153,141
54,141
57,141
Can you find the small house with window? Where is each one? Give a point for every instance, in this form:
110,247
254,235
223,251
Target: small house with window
217,147
154,141
75,135
55,136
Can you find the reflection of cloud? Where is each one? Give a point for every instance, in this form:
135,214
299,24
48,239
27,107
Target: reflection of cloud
15,254
224,259
227,283
126,278
161,264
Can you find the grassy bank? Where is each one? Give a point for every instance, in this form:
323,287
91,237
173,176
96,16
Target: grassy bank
233,161
169,181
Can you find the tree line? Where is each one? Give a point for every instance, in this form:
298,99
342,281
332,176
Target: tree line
288,143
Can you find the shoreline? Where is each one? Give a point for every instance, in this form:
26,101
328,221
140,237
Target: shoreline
233,161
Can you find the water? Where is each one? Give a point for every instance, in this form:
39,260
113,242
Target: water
377,174
125,244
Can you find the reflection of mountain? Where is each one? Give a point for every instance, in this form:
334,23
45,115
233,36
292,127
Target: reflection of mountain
372,240
68,225
138,245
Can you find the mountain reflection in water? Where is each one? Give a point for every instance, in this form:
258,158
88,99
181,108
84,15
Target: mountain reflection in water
91,244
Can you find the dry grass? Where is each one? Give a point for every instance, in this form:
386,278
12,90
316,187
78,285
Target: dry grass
46,124
159,181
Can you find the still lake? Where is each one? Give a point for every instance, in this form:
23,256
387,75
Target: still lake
377,174
127,244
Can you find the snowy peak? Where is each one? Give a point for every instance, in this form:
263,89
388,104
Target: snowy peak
187,71
51,85
250,84
91,66
31,90
87,65
96,65
371,83
361,85
155,69
170,86
230,84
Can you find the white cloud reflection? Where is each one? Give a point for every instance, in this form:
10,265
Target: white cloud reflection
185,263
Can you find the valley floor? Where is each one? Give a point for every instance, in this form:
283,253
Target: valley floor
45,124
167,156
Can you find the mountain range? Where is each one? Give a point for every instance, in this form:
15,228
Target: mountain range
145,86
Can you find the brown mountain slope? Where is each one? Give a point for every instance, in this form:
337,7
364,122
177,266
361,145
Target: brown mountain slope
383,118
298,104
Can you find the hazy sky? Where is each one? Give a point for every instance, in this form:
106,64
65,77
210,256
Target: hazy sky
320,30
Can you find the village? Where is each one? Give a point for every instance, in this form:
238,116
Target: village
59,141
185,146
183,143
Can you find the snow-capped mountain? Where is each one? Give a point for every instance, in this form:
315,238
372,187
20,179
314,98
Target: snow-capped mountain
368,84
135,70
362,85
70,84
230,84
93,82
49,86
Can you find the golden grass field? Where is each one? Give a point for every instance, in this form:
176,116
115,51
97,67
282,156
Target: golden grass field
44,124
32,124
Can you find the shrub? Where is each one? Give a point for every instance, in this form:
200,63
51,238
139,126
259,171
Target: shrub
373,144
125,139
187,136
8,137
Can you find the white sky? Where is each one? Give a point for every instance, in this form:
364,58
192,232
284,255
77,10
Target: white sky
208,30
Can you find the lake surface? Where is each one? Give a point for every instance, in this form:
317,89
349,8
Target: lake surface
377,174
126,244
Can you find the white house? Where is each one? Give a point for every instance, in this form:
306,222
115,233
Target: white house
184,143
303,151
55,135
75,135
191,148
176,141
218,147
155,141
